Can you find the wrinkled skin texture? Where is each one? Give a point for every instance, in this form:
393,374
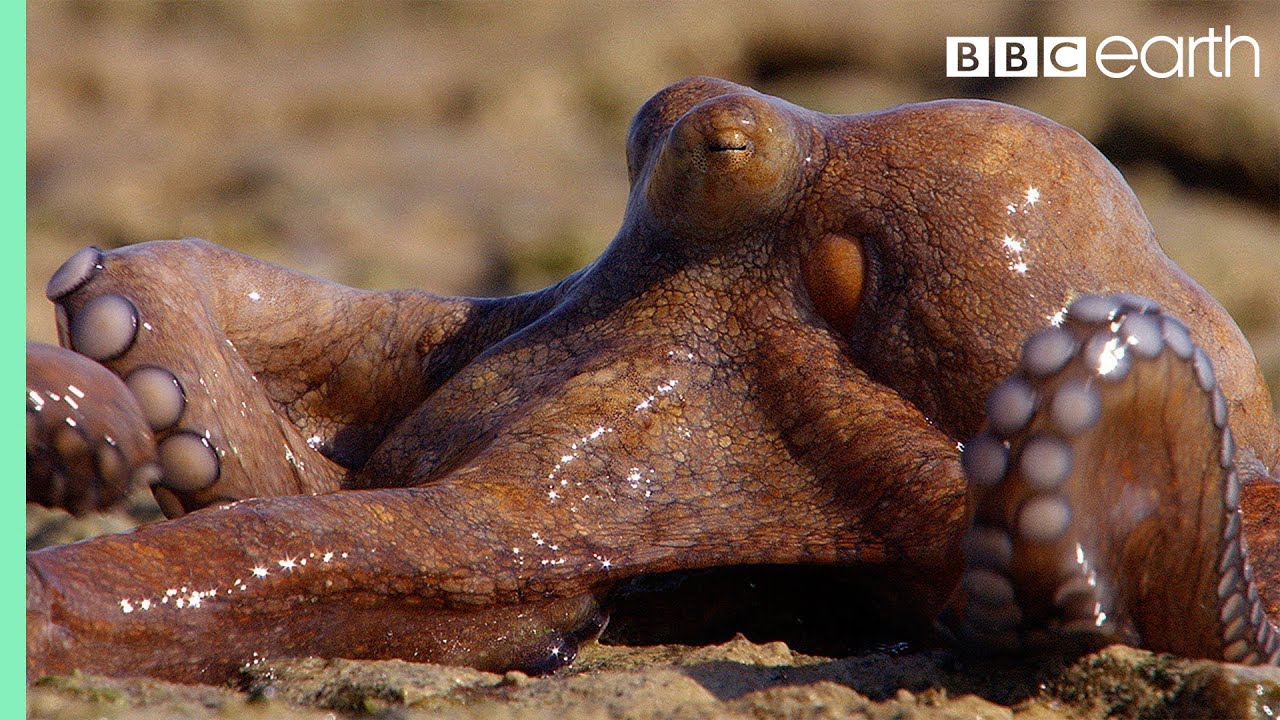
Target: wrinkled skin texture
772,363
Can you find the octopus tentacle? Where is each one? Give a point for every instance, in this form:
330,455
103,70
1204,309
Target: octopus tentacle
257,380
451,572
499,563
1107,492
88,444
352,574
129,310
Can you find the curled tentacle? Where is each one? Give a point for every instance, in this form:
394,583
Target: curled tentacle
257,380
146,314
1107,497
88,444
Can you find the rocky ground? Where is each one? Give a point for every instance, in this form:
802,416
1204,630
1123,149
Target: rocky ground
478,149
738,679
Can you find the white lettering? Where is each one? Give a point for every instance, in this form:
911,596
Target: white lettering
1102,56
1177,54
1116,56
1209,40
1257,53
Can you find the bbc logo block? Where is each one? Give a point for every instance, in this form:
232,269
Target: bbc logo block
1015,57
1116,56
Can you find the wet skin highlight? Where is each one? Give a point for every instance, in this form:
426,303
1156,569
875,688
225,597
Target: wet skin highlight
802,321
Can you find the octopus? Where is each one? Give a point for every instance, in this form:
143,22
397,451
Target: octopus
934,351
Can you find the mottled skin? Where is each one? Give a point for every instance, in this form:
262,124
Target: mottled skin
772,363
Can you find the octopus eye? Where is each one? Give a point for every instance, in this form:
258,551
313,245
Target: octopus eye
725,162
729,140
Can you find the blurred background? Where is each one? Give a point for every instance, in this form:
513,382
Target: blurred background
478,148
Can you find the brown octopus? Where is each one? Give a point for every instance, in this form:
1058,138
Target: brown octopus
773,364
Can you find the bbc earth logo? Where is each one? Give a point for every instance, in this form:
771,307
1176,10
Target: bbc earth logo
1117,56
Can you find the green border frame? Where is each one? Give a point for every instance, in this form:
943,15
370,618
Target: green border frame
13,120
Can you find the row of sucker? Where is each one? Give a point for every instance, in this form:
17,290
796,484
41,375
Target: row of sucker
1016,457
104,329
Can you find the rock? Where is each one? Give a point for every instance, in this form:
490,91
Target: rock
736,679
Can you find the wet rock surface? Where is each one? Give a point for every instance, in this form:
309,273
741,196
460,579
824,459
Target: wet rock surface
736,679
